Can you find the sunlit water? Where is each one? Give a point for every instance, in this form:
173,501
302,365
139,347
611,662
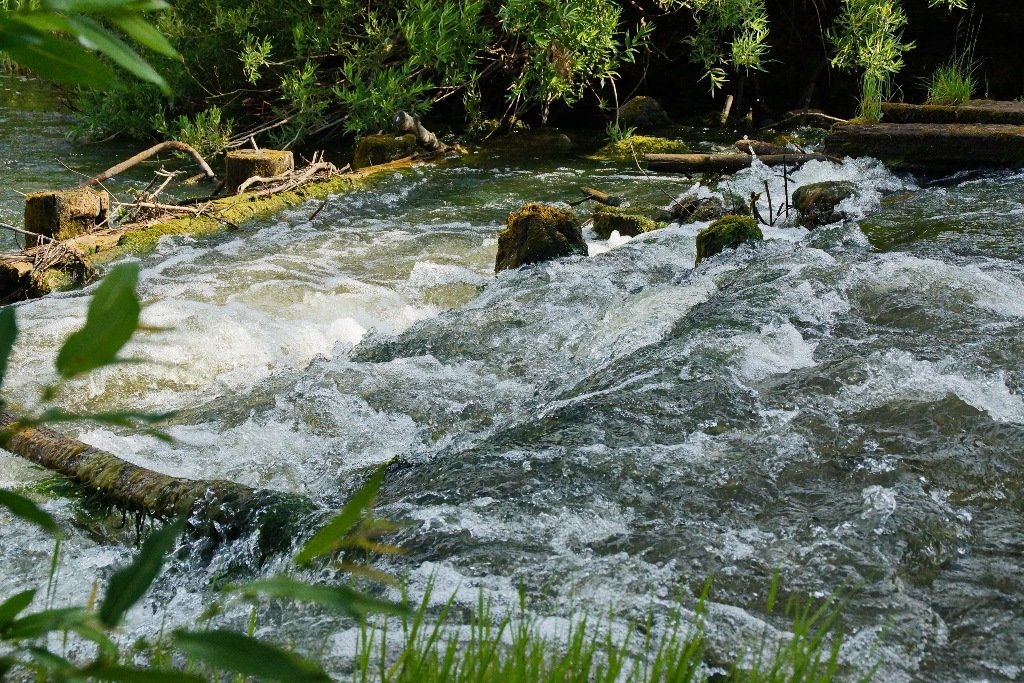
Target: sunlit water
607,431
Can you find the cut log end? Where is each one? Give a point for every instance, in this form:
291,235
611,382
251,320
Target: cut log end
242,164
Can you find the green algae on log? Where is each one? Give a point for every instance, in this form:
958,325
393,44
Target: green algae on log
974,111
727,232
18,279
640,145
930,146
538,232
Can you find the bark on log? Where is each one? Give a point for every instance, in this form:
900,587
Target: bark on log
935,147
722,163
601,197
242,164
759,147
227,508
63,214
407,123
142,156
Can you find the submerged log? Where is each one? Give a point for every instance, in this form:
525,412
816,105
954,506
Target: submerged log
759,147
722,163
228,508
931,146
975,111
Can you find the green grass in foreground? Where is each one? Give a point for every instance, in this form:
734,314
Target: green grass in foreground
514,650
953,82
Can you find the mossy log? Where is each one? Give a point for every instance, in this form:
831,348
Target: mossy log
18,280
373,150
63,214
225,508
759,147
722,163
242,164
931,146
975,111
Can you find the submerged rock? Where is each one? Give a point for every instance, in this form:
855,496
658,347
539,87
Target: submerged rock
643,113
538,232
372,150
693,209
630,223
817,202
727,232
623,150
537,143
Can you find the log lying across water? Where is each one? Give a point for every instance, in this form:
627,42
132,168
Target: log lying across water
931,146
217,507
975,111
722,163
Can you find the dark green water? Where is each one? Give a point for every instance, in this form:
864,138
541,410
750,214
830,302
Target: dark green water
607,431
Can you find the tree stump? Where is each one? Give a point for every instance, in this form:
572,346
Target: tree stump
62,214
372,150
242,164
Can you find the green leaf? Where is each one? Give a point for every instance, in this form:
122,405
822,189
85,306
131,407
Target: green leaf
337,598
326,539
15,605
128,585
108,7
52,662
248,656
123,418
110,322
144,33
60,60
41,623
23,508
103,671
8,333
91,34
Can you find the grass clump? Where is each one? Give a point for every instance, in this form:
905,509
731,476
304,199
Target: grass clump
444,648
953,82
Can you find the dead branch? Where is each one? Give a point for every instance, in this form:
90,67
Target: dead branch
142,156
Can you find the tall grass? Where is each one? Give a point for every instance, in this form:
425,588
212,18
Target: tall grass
437,648
954,82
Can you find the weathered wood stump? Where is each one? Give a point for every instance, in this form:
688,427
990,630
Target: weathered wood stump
64,214
722,163
242,164
931,146
373,150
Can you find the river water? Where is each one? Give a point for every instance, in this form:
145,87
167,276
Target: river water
843,407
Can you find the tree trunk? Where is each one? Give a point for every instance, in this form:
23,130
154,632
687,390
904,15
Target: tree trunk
722,163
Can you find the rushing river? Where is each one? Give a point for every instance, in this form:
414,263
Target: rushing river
606,431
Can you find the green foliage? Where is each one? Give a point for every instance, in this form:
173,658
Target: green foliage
245,655
112,319
60,40
617,133
128,585
208,131
730,34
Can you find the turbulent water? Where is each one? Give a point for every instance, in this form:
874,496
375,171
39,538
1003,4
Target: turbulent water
608,431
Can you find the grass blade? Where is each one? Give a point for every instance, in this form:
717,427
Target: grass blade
239,653
128,585
23,508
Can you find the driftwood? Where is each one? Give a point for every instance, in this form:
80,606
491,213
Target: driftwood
407,123
592,194
142,156
759,147
722,163
227,507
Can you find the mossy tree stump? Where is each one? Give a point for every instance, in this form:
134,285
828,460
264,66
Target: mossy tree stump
608,219
373,150
727,232
242,164
538,232
64,214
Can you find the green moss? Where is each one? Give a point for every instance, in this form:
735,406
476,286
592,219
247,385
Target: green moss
817,202
727,232
538,232
628,222
622,150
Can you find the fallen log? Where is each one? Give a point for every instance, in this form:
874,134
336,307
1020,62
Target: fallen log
216,507
975,111
722,163
145,154
931,146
